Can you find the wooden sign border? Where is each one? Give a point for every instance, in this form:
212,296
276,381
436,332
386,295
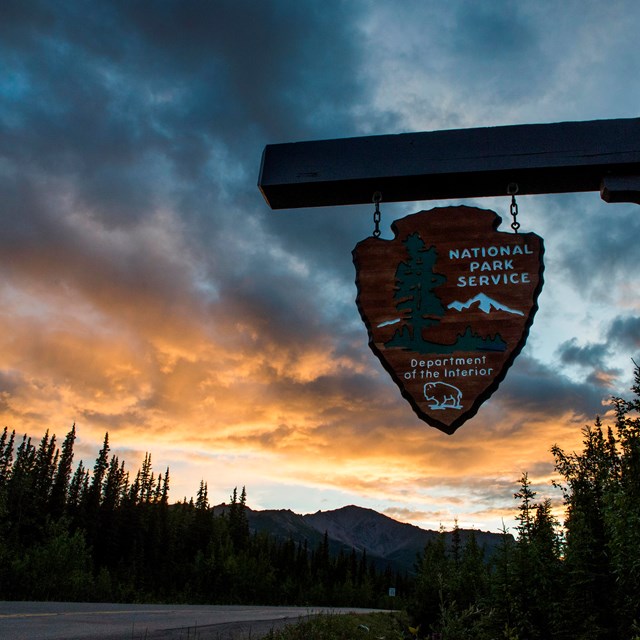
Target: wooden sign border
515,350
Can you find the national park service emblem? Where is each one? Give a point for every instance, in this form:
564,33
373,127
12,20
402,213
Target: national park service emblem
448,304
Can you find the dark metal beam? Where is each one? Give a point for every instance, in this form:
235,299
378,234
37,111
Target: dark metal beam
620,189
463,163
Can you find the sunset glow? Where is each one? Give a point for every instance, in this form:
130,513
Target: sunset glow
148,291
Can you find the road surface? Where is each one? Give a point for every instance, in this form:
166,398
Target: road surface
99,621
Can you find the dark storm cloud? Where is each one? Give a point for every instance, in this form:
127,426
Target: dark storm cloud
625,331
591,359
493,32
104,95
232,64
591,355
545,392
281,312
273,60
603,251
131,107
10,381
623,335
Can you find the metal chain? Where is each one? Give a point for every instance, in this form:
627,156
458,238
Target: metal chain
512,189
377,197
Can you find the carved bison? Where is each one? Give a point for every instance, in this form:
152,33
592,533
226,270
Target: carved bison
442,395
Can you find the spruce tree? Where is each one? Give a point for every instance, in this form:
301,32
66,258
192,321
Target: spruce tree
6,455
78,488
94,495
20,493
44,471
238,523
431,570
623,511
60,487
536,568
589,478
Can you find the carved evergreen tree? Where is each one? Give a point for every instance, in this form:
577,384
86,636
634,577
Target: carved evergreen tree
415,283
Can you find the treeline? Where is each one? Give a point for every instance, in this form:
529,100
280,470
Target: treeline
581,581
102,535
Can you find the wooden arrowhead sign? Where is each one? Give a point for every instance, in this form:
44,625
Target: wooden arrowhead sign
448,304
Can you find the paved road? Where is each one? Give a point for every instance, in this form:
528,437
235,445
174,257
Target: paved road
98,621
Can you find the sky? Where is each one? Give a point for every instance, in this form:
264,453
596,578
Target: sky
147,290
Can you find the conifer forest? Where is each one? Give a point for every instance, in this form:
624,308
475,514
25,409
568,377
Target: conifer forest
105,534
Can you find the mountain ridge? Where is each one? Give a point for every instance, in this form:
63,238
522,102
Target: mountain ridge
386,541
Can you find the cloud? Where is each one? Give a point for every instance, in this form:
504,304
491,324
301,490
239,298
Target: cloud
589,355
625,331
147,290
600,258
542,391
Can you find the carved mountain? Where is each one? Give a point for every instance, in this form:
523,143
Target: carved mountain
485,303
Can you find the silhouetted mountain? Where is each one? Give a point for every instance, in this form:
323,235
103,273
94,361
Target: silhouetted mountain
386,541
